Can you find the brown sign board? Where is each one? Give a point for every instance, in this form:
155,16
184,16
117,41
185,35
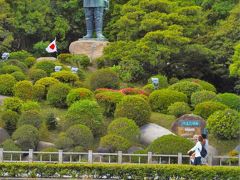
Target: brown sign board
188,125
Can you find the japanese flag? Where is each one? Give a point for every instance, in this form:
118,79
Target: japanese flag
52,47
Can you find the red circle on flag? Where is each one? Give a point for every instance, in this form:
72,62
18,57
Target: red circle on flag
52,46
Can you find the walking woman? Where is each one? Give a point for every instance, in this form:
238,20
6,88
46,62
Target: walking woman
197,150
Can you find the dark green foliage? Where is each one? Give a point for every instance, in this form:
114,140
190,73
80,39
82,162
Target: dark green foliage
80,61
78,94
48,66
30,105
135,108
12,103
224,124
126,128
87,113
170,144
39,48
9,145
201,96
38,92
178,109
10,119
30,61
26,137
46,82
149,88
108,101
81,135
65,77
161,99
186,87
64,58
20,55
57,95
23,90
19,76
31,117
51,121
8,69
64,143
115,143
205,109
17,63
36,74
7,83
229,99
104,78
205,85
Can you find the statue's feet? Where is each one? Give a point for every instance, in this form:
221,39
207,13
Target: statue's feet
100,36
88,36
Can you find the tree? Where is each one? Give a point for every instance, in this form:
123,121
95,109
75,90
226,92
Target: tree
235,66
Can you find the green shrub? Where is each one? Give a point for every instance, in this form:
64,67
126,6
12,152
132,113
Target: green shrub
161,99
20,55
30,105
201,96
48,66
57,95
108,101
81,74
23,90
135,108
26,137
205,85
39,48
51,121
126,128
229,99
186,87
149,88
38,92
205,109
178,109
17,63
81,135
173,80
7,83
115,143
224,124
170,144
8,69
65,77
163,81
87,113
47,82
80,60
64,58
13,103
79,94
46,157
9,145
30,61
19,76
10,119
36,74
63,142
30,117
104,78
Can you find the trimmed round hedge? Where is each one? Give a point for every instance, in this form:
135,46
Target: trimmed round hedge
186,87
30,105
205,109
224,124
48,66
19,76
135,108
81,135
23,90
30,117
85,112
10,119
108,101
114,143
149,88
8,69
178,109
30,61
229,99
201,96
65,77
47,82
57,95
205,85
63,142
26,137
161,99
36,74
170,144
80,60
13,103
38,92
7,83
79,94
126,128
104,78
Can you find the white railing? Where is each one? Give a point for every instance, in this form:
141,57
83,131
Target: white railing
117,158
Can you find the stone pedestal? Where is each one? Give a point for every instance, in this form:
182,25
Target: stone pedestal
90,47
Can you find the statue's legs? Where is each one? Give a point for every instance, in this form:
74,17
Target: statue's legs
89,12
98,14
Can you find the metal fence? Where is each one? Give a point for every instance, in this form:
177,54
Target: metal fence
117,158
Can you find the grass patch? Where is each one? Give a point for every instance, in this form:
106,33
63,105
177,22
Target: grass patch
223,146
163,120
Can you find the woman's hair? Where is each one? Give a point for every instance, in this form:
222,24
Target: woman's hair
200,138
